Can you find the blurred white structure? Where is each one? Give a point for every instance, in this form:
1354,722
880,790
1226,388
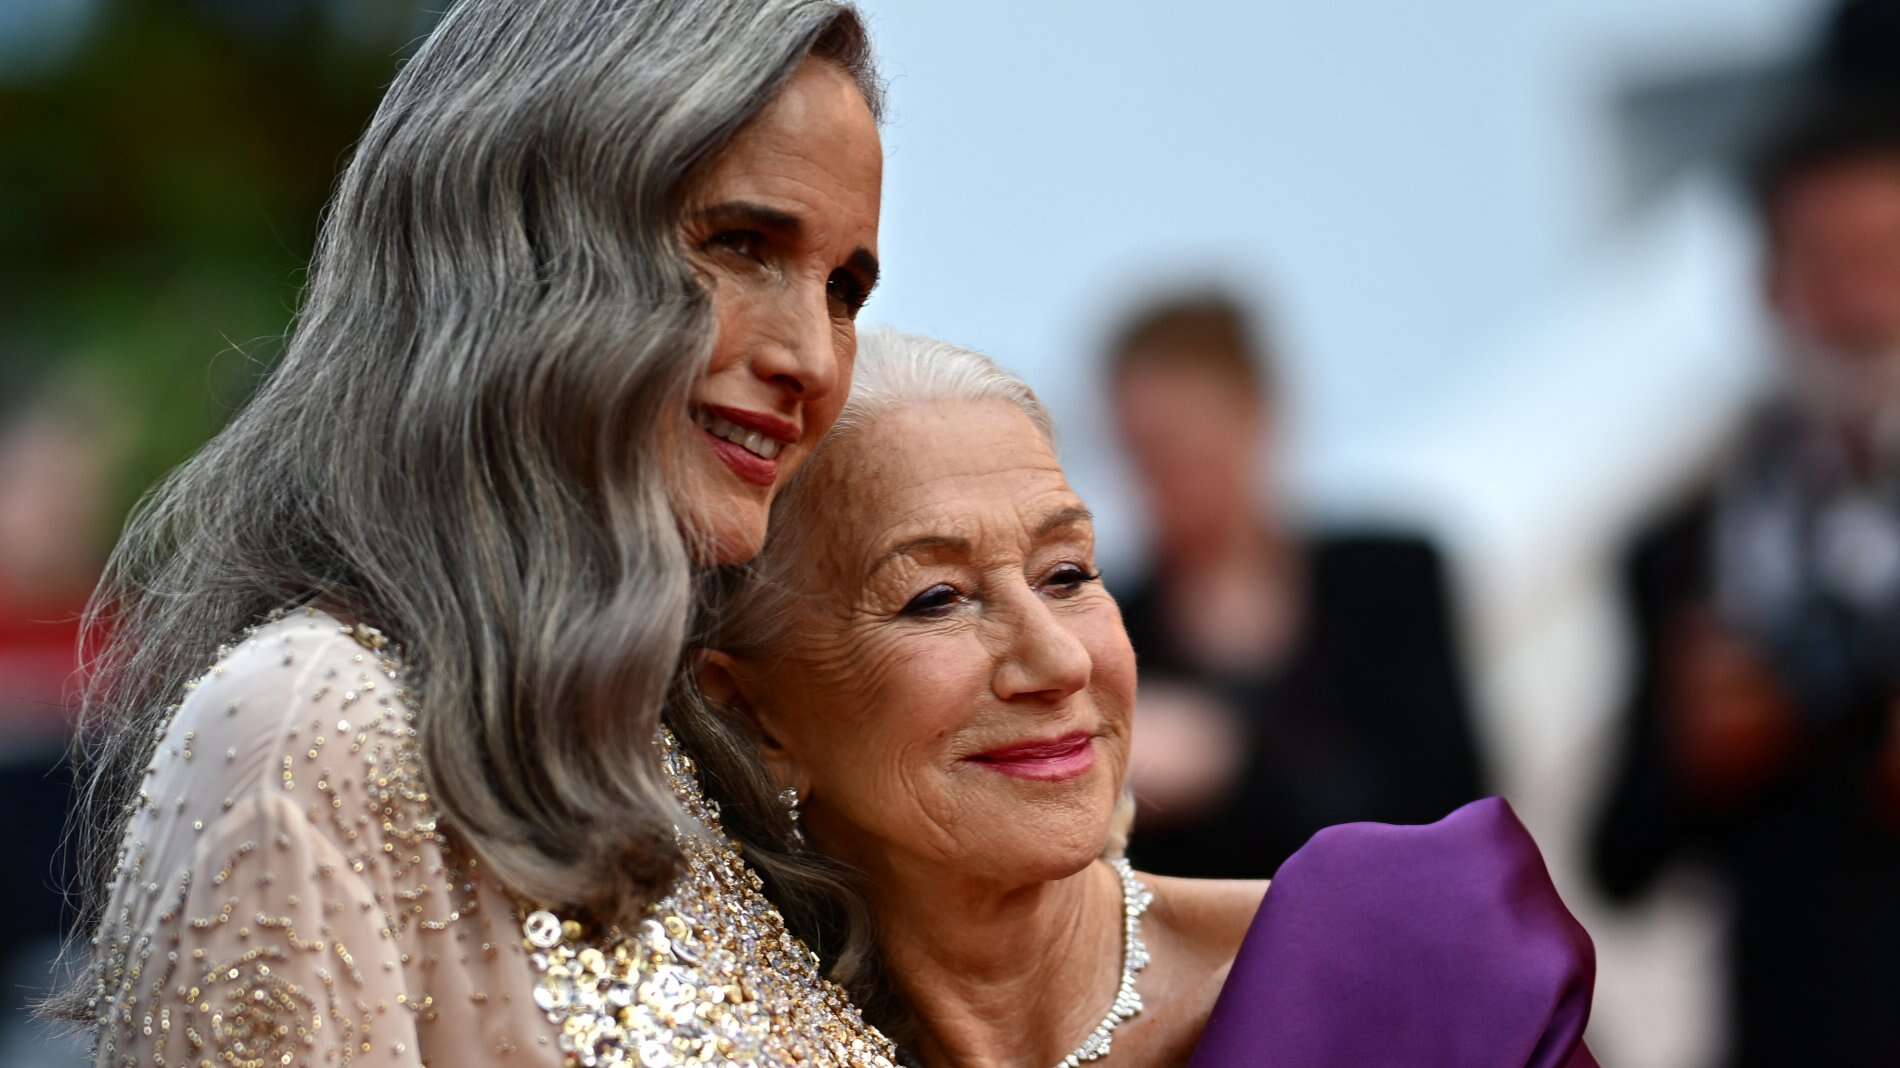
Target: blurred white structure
1484,334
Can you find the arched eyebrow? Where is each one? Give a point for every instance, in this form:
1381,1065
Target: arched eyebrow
953,545
947,544
751,216
1072,516
782,226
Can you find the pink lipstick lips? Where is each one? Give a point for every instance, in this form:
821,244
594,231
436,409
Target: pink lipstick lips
1053,760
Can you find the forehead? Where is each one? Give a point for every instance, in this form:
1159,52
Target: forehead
1186,379
816,143
1846,187
958,467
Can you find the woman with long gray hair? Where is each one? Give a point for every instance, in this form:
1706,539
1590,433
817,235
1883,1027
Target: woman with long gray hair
584,299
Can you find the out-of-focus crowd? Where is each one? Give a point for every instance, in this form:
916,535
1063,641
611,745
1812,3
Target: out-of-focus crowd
1296,675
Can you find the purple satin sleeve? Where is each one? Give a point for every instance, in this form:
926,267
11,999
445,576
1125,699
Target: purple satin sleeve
1442,945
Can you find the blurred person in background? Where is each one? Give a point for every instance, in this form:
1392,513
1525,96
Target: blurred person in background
56,513
163,169
57,458
1763,733
1291,679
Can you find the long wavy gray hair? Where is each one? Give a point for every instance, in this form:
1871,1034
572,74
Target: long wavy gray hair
463,443
751,609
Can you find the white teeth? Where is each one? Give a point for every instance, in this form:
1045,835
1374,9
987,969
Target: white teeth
750,440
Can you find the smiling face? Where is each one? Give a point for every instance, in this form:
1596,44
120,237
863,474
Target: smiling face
956,688
782,229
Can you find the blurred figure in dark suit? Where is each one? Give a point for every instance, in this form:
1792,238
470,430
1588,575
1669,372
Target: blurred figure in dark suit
1290,679
1762,733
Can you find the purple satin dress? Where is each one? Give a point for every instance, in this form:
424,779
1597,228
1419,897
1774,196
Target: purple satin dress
1442,946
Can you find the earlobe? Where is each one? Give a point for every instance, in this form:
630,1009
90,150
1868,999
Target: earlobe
721,680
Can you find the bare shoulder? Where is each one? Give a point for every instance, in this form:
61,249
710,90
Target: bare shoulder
1209,917
1193,930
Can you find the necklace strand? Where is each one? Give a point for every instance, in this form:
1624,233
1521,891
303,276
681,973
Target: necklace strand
1135,900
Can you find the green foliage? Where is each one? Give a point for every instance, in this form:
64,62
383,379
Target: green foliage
159,194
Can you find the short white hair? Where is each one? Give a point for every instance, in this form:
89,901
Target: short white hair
896,369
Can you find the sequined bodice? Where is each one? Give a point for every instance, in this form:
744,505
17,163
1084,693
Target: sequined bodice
711,976
286,898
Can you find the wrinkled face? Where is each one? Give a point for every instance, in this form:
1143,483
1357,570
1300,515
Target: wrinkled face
1835,278
1193,438
782,228
956,690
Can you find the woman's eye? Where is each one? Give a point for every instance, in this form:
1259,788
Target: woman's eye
747,243
1070,578
847,291
932,602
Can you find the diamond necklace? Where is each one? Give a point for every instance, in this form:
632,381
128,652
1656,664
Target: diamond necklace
1135,900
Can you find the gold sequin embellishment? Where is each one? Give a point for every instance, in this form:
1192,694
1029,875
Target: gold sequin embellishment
710,977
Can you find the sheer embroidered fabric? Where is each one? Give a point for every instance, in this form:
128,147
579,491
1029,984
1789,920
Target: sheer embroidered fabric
286,898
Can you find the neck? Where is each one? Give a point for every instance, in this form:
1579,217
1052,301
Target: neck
1868,443
1234,606
1000,976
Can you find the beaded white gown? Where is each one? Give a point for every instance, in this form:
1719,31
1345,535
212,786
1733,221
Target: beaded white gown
286,898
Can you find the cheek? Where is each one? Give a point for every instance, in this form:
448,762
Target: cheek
844,347
896,695
1112,677
735,309
880,724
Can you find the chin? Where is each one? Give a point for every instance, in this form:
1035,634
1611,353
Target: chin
724,522
733,534
1040,851
1047,862
731,547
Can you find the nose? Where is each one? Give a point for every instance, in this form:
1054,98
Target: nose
1042,660
798,350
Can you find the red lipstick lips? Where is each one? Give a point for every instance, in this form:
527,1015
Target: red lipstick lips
1054,760
779,430
750,465
754,469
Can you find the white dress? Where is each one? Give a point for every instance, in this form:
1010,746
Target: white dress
286,897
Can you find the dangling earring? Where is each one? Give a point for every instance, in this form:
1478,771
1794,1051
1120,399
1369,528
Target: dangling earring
789,798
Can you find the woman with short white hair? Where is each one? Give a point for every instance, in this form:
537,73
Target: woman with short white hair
924,669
